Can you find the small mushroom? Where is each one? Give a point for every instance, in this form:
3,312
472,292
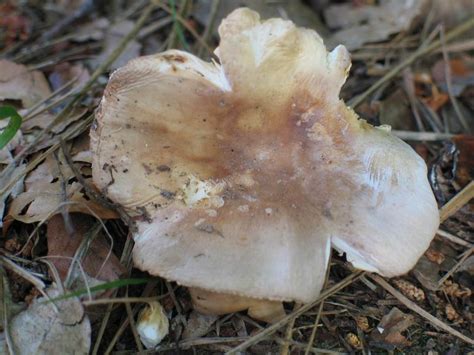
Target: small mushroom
241,174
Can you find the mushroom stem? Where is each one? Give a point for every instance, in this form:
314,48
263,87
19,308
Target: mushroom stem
208,302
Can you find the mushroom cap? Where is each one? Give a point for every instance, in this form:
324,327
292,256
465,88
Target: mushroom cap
241,174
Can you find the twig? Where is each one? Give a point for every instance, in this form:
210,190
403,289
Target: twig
466,255
315,328
457,202
133,327
447,74
409,85
285,347
466,26
274,327
86,7
122,300
415,308
17,269
210,25
185,25
422,136
453,238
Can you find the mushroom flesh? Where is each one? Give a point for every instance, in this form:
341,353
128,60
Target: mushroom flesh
242,173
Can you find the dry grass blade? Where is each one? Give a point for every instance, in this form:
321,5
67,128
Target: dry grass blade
285,347
466,255
38,283
454,238
422,136
186,25
420,311
466,26
313,331
274,327
67,110
457,202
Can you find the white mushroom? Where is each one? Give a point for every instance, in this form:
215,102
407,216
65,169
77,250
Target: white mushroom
241,174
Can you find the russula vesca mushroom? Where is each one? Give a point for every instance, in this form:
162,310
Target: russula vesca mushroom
242,174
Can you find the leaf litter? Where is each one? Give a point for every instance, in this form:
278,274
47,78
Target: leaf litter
46,208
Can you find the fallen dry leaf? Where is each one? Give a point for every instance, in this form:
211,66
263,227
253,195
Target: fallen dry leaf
44,119
388,333
371,23
19,83
113,36
198,325
98,262
50,328
65,72
51,189
461,70
427,273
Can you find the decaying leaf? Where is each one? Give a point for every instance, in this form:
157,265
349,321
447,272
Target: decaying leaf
51,328
113,36
50,189
19,83
65,72
461,74
98,261
198,325
388,333
371,23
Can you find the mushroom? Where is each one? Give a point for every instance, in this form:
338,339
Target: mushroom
241,174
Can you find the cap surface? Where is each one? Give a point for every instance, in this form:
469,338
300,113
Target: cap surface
242,173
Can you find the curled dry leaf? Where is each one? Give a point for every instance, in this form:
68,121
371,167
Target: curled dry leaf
98,261
388,332
371,23
50,189
198,325
50,328
17,82
240,184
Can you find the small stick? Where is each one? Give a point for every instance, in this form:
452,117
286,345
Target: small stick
422,136
274,327
415,308
453,238
455,267
466,26
457,202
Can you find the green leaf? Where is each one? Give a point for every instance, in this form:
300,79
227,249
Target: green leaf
13,126
101,287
